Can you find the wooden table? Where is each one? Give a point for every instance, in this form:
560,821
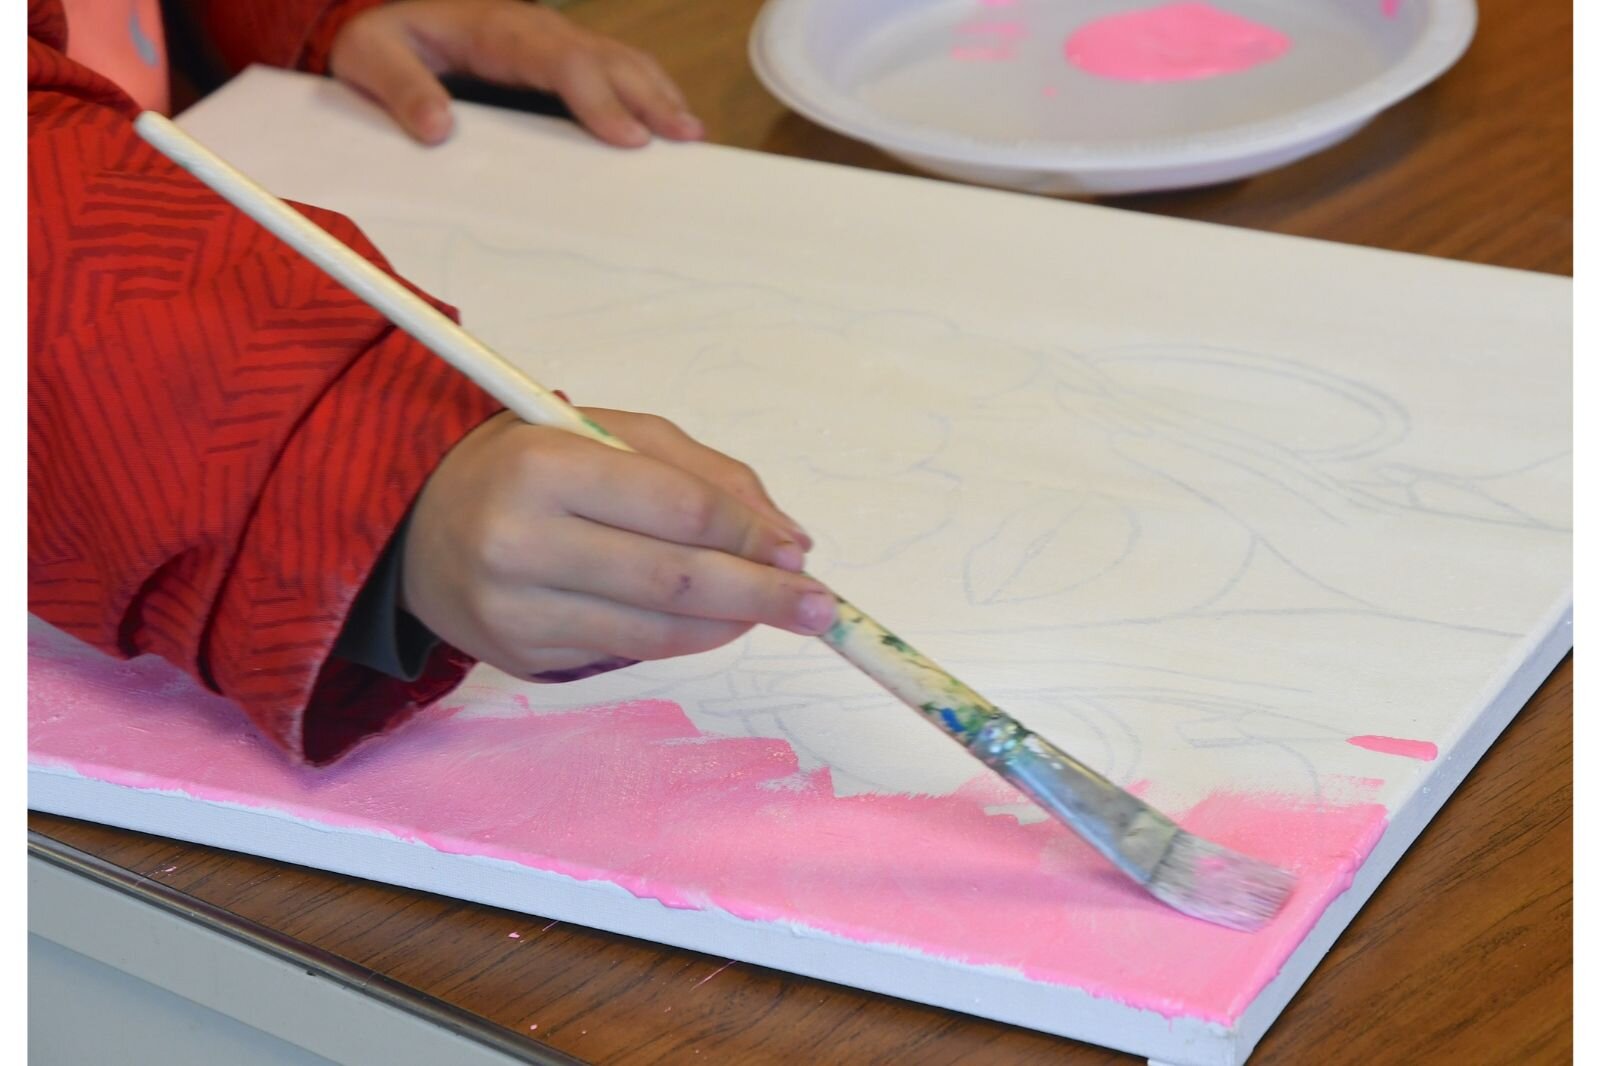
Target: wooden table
1465,952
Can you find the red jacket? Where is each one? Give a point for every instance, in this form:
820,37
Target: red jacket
220,439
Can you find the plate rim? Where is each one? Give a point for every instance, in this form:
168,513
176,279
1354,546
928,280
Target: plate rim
1448,31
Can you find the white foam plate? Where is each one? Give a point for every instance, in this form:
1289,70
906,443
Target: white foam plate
908,77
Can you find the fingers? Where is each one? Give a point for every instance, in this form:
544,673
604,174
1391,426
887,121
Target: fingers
584,86
652,97
605,629
391,52
661,439
672,579
546,553
379,58
642,494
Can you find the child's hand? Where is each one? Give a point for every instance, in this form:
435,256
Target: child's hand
539,551
393,52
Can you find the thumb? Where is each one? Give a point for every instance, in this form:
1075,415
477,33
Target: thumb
385,67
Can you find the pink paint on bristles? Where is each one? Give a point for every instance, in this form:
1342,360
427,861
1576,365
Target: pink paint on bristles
1425,750
513,936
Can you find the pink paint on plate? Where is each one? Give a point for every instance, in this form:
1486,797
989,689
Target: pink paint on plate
1425,750
1173,42
634,795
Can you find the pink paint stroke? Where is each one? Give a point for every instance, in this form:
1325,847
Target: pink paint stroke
620,794
1425,750
1391,8
1173,42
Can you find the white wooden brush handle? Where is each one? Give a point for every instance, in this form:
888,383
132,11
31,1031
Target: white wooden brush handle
885,658
525,397
1122,827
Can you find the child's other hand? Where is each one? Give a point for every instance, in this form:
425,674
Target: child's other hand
393,52
541,552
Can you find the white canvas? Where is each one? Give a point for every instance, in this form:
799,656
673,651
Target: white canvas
1203,506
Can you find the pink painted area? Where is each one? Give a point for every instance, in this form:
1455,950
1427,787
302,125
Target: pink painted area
1173,42
1391,8
997,3
635,795
1425,750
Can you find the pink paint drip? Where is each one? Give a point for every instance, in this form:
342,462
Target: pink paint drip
1173,42
618,794
1425,750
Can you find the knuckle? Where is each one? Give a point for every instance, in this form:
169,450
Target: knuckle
574,68
654,427
539,455
501,549
696,512
743,475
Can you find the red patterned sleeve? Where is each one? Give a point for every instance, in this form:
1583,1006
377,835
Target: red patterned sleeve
220,440
280,33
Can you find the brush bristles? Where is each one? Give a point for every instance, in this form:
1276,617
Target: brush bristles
1211,882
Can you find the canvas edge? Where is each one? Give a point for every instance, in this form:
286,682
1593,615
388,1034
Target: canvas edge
1406,824
904,973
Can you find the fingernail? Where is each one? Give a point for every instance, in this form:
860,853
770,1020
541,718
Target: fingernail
433,122
789,556
799,534
815,612
689,127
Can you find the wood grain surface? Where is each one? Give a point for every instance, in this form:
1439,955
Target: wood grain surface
1464,955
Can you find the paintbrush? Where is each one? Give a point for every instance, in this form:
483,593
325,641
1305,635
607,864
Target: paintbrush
1187,872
